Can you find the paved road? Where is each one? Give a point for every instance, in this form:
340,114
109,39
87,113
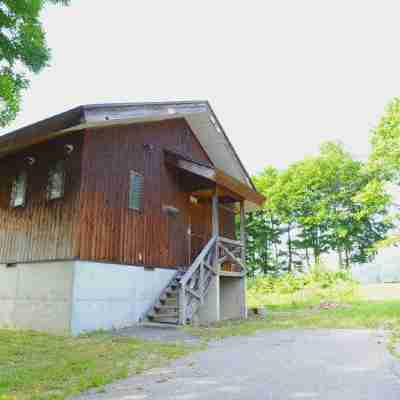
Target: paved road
281,365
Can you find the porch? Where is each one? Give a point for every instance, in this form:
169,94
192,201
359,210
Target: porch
213,286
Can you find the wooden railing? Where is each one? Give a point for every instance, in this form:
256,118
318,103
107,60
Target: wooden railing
231,256
195,283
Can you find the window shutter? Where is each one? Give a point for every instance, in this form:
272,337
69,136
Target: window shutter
136,191
18,192
55,188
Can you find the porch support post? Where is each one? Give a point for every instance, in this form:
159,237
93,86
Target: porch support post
215,230
243,283
243,230
215,215
210,310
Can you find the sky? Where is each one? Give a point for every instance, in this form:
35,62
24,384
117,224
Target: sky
282,75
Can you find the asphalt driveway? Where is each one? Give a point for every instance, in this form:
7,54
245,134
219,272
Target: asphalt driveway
293,364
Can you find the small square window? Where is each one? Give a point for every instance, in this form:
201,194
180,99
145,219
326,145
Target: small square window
56,183
136,188
18,192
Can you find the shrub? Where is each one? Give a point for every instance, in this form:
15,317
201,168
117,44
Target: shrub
316,285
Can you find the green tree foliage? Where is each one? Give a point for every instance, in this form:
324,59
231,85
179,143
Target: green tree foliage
385,157
329,202
23,50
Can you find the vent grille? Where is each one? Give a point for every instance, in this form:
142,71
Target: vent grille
136,191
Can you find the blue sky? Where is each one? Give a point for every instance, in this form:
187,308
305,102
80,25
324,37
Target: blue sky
282,76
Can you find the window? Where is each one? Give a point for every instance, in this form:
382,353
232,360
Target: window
55,189
18,192
136,191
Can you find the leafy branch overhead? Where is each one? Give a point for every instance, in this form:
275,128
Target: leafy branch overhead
23,50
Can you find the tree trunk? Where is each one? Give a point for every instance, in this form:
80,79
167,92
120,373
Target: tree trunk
307,258
290,259
266,257
340,256
347,258
317,256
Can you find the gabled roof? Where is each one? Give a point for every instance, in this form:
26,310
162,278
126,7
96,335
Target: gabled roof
198,114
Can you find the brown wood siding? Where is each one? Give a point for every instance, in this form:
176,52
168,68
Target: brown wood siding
112,232
42,230
227,226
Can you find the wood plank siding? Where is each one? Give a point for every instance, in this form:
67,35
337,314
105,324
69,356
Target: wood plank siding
93,221
152,237
43,229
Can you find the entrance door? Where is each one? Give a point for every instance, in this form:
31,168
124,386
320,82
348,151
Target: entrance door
199,227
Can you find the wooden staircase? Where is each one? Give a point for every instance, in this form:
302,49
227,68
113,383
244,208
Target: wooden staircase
166,309
186,292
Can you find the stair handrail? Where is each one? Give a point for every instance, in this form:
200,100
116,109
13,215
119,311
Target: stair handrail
195,283
199,265
199,259
227,248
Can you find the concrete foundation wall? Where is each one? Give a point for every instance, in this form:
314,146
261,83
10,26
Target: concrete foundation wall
76,296
36,296
210,311
107,296
226,299
232,298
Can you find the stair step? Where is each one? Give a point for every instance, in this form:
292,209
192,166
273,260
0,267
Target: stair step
164,315
164,320
169,296
166,310
161,307
168,300
165,325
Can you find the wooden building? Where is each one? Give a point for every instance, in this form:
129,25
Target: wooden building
113,213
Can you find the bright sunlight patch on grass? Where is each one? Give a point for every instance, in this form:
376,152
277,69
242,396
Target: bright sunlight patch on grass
295,303
344,293
361,315
301,291
38,366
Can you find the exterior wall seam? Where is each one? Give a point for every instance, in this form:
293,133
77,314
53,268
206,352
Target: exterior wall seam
17,289
72,299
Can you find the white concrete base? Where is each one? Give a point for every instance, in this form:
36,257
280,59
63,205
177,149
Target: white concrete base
233,298
37,296
111,296
226,299
76,296
210,311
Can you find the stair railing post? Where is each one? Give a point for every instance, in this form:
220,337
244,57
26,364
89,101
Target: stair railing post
243,231
201,283
243,253
182,305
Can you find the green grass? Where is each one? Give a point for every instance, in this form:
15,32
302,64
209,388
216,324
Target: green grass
300,310
361,315
38,366
345,292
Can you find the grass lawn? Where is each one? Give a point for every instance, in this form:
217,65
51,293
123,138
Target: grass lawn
38,366
359,315
357,311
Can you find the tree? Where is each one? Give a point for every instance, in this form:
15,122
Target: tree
385,157
328,202
22,50
263,229
263,238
